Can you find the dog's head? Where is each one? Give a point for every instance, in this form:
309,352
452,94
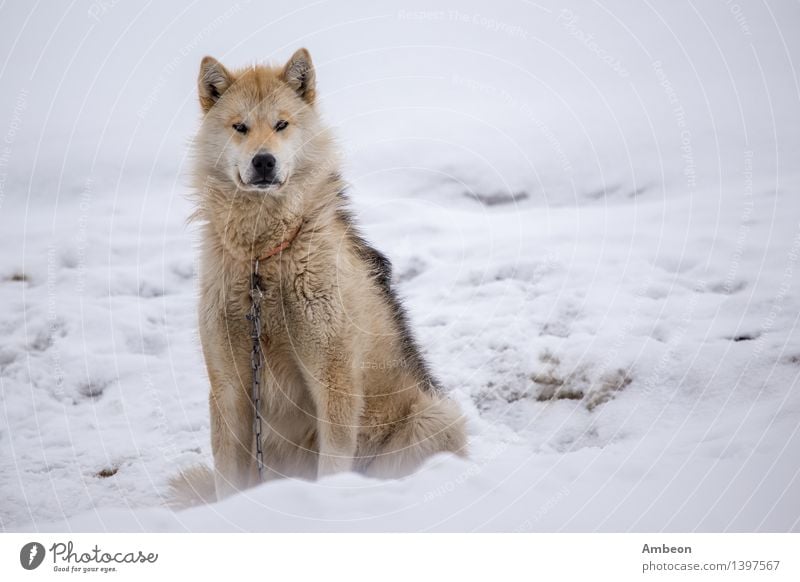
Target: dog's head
259,122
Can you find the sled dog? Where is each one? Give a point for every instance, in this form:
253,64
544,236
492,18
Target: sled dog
343,385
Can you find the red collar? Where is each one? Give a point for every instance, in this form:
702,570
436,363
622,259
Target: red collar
281,247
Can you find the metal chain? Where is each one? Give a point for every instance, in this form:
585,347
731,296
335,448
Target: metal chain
256,360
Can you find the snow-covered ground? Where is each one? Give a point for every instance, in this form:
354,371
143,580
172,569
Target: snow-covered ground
593,211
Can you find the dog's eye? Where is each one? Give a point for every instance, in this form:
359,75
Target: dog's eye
281,125
240,127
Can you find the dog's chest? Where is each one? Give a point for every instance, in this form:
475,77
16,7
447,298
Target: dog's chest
293,305
278,307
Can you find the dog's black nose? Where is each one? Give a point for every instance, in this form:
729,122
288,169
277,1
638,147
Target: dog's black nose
264,164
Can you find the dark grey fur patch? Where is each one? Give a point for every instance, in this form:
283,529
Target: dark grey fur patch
380,268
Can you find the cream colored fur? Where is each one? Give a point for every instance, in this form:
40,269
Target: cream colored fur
343,388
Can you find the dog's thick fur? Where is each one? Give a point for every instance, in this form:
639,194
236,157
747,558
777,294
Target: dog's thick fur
344,386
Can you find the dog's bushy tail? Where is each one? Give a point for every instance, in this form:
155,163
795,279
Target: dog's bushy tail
192,486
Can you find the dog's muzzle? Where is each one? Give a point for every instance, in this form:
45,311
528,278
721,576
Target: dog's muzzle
262,174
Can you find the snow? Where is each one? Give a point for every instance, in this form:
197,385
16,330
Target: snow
593,213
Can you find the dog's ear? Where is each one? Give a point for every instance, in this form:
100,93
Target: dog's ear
299,75
213,80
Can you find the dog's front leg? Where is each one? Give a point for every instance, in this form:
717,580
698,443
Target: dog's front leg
231,436
339,402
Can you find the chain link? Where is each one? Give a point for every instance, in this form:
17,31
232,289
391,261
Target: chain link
256,361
